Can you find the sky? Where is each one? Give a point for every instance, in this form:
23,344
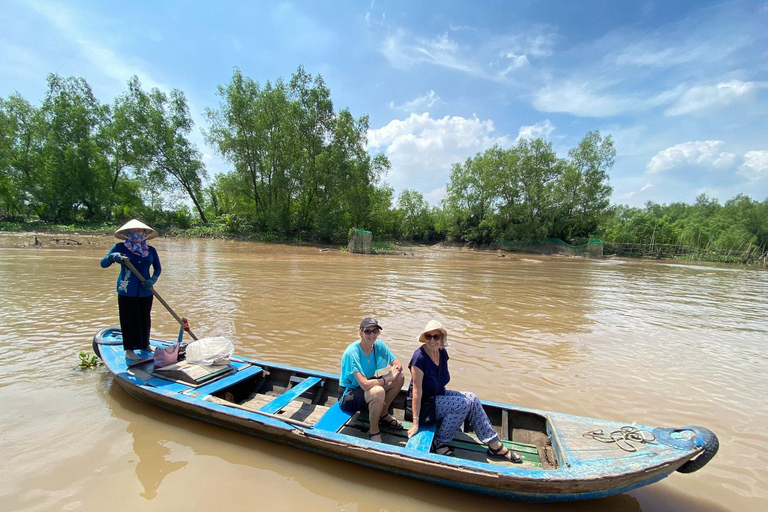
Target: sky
681,87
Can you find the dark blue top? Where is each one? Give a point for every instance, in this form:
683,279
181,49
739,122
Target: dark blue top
430,385
127,283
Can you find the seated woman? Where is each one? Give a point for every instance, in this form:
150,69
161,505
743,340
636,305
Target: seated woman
432,402
360,389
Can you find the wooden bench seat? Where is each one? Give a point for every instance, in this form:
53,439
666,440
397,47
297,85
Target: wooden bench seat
284,399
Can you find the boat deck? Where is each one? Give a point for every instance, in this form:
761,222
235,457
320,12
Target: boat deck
465,444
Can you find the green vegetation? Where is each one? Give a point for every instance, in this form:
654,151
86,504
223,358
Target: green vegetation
301,172
89,361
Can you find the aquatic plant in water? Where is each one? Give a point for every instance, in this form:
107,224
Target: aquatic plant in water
89,361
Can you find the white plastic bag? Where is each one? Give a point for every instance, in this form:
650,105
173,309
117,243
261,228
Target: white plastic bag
215,350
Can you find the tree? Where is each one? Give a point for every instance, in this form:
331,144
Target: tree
159,146
417,222
71,171
531,172
19,145
308,167
251,130
472,196
582,192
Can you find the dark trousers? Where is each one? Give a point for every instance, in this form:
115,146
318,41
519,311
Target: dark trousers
135,321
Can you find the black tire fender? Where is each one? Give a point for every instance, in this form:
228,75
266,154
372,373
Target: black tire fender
98,339
710,444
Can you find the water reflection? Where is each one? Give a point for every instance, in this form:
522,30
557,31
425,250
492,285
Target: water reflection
149,444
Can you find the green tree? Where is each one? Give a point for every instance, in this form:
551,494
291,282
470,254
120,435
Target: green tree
582,192
417,221
531,172
71,172
155,128
19,146
307,167
472,196
251,130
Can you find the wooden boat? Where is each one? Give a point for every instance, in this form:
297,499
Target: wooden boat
565,457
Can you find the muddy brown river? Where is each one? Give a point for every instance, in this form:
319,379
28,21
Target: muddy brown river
657,343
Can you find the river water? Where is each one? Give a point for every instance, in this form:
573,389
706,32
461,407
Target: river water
658,343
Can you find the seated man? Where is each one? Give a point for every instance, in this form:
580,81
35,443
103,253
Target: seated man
360,389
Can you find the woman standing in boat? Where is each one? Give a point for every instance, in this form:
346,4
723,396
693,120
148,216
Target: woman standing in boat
432,402
360,389
134,298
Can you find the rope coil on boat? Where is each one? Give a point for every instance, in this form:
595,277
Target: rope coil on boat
625,438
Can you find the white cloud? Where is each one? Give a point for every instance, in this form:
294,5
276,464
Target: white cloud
536,131
107,61
471,51
420,103
702,97
435,196
630,195
516,62
755,165
18,61
422,149
707,153
582,99
440,51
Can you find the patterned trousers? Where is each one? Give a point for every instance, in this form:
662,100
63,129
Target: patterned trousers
453,408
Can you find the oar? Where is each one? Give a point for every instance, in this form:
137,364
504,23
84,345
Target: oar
125,261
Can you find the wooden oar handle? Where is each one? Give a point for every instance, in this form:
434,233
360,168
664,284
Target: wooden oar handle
125,261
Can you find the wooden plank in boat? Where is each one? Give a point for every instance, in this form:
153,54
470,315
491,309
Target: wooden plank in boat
290,395
334,419
192,374
422,441
240,375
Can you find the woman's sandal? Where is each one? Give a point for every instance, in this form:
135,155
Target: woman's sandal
377,434
443,449
505,453
393,423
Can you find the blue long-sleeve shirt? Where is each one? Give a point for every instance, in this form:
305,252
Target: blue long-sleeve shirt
127,283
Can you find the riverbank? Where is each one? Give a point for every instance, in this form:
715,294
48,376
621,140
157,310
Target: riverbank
43,234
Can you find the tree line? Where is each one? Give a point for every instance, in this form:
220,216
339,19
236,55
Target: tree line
301,169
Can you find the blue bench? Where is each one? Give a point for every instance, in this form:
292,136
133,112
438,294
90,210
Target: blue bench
229,380
422,441
281,401
333,419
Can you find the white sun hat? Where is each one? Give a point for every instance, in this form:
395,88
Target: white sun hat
121,233
433,325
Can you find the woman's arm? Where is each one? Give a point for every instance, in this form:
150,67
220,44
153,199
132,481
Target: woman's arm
367,384
107,260
156,265
417,377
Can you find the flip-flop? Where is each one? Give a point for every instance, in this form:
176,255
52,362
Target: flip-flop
393,423
502,452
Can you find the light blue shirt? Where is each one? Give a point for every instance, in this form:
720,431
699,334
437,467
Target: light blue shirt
354,360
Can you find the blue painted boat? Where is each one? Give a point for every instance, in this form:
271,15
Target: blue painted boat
565,457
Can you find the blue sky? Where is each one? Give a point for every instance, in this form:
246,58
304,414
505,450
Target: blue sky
682,87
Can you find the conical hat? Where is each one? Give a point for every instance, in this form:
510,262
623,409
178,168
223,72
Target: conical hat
135,224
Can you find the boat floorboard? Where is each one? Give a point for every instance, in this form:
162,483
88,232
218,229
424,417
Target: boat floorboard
465,444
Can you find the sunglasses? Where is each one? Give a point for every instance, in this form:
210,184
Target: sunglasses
436,337
371,331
